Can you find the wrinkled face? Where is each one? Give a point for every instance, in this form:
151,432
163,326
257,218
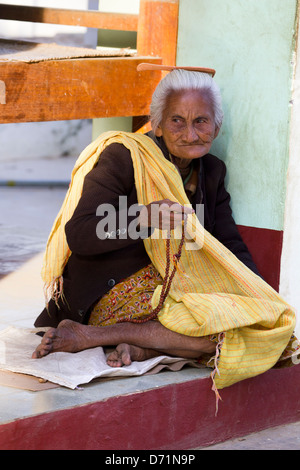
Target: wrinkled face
188,126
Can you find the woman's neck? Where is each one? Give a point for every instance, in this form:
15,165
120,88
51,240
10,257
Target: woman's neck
181,163
184,166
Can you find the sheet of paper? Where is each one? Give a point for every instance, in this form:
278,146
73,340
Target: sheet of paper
68,369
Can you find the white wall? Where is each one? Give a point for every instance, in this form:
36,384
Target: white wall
120,6
13,29
35,140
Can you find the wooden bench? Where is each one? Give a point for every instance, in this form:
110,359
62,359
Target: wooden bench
88,87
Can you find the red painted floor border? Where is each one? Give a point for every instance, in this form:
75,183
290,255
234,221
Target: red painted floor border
173,417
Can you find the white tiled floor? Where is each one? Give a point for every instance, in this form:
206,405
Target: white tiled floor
21,294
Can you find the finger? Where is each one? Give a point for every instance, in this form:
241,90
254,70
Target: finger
177,208
188,210
171,220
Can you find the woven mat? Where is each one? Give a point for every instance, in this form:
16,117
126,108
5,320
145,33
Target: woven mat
29,51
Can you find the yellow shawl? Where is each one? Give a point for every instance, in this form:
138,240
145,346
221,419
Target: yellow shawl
212,291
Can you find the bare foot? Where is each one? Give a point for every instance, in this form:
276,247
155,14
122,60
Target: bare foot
67,337
124,354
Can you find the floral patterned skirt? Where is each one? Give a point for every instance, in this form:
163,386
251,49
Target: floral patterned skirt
130,299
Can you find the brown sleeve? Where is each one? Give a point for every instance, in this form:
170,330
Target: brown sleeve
99,224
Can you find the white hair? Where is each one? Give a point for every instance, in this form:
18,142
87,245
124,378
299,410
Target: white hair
179,80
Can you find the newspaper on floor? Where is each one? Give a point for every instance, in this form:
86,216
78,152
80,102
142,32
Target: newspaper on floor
69,369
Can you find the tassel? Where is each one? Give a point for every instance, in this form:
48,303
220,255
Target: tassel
53,290
216,370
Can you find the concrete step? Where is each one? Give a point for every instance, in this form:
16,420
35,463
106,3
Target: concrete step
168,411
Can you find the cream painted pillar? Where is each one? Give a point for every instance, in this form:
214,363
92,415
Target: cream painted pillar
290,260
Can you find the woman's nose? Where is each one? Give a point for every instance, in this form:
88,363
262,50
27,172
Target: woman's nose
190,134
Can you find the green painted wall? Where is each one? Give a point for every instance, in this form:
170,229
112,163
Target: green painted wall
250,43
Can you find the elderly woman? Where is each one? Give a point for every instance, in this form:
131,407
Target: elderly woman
109,280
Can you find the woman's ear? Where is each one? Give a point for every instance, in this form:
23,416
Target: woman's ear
158,131
217,132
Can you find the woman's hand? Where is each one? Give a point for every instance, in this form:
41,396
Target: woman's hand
164,215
